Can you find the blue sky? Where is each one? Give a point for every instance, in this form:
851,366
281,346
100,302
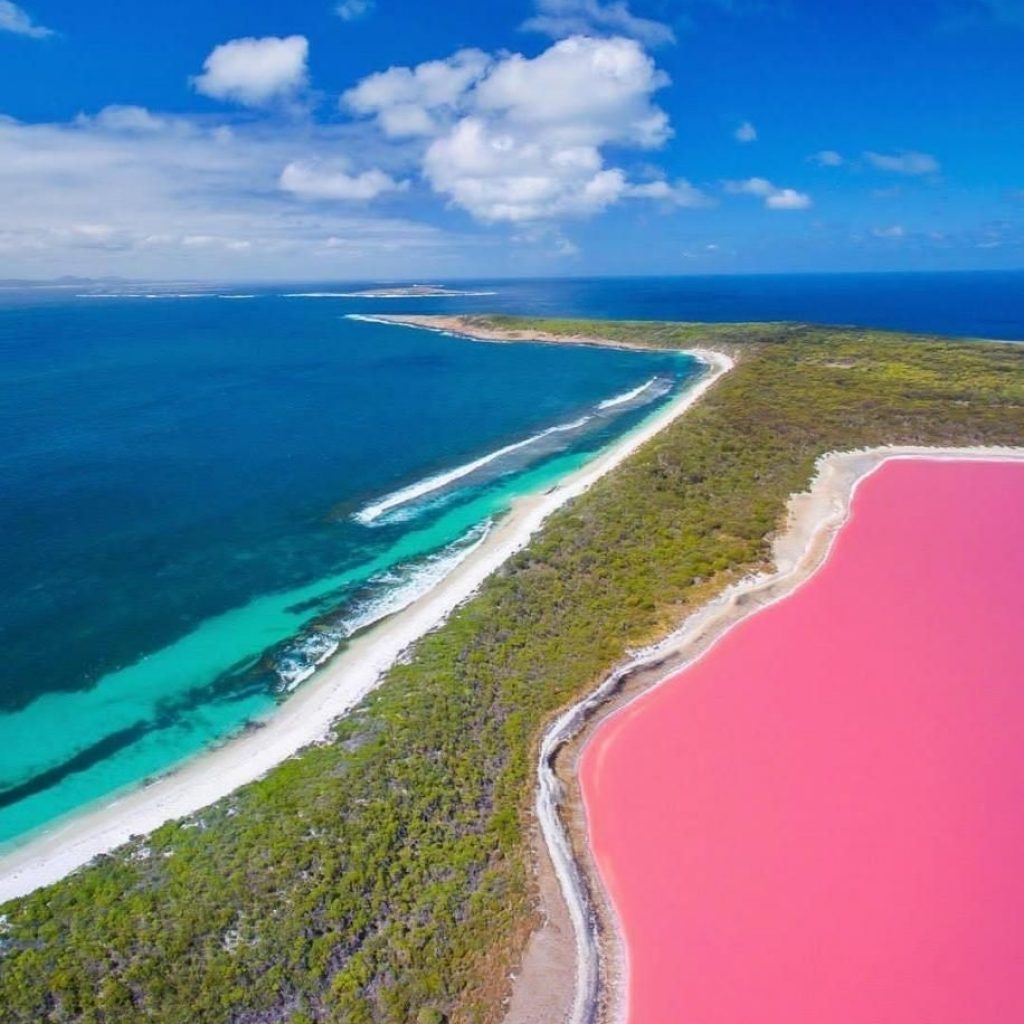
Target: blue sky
395,139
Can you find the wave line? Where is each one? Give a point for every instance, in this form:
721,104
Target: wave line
626,396
374,511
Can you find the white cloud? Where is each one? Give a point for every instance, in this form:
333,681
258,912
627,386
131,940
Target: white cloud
353,10
531,148
17,20
546,240
907,162
679,193
255,72
518,139
312,181
827,158
497,177
417,101
584,91
126,119
892,231
746,133
788,199
562,18
775,198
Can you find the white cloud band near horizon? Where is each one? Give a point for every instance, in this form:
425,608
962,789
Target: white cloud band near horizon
128,190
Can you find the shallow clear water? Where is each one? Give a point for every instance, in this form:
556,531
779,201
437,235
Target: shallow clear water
203,499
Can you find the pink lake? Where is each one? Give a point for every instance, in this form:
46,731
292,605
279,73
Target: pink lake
822,821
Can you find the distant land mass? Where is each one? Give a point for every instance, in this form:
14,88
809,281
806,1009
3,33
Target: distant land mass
412,291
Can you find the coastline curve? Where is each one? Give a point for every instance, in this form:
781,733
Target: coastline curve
814,519
306,718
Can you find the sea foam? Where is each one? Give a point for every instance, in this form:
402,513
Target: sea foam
405,496
421,488
388,594
627,396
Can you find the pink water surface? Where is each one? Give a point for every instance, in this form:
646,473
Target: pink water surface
823,819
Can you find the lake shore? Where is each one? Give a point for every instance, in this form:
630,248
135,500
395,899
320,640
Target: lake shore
596,988
306,717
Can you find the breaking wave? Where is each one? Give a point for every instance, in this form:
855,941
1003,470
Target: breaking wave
626,396
421,488
388,507
384,595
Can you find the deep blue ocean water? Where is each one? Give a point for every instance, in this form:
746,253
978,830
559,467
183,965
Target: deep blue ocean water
203,497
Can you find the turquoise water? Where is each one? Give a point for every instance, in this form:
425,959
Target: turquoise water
204,499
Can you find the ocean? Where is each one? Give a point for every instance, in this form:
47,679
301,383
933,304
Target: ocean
207,491
203,499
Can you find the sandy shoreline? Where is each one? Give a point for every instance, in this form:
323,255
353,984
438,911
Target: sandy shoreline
307,716
815,518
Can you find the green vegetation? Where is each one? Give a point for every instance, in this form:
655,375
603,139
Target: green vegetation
384,877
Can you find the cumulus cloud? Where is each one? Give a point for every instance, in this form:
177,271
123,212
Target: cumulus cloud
746,133
787,199
774,198
581,90
519,139
312,181
827,158
353,10
562,18
17,20
907,162
417,101
255,72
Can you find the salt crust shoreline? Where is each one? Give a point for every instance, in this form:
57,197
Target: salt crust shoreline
814,520
307,716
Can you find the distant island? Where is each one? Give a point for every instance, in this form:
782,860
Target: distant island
412,291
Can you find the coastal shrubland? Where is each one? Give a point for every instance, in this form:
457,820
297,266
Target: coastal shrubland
383,876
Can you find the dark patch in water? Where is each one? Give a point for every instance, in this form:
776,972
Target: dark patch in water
106,747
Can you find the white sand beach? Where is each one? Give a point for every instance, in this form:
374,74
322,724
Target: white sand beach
306,717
